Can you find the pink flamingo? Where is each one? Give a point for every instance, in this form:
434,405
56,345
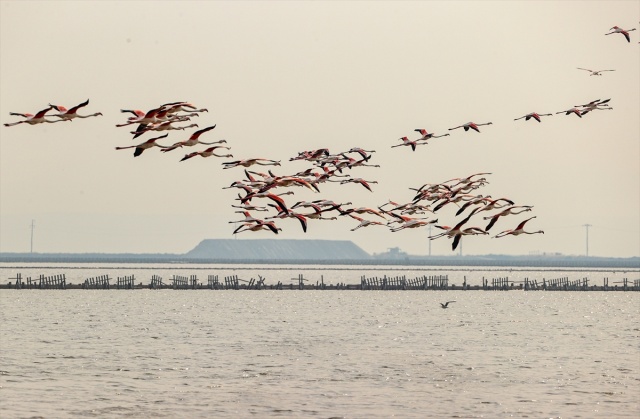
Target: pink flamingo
140,148
207,153
407,142
507,211
364,223
250,162
31,119
426,135
361,181
518,230
69,114
625,32
193,140
471,125
533,115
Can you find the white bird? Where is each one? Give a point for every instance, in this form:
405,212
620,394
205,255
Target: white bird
594,72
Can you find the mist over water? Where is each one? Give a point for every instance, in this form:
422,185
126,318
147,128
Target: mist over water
171,353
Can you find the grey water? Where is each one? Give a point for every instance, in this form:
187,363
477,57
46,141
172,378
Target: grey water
325,354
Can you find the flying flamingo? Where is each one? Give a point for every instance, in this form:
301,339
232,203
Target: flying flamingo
65,113
625,32
507,211
207,153
140,148
595,105
364,223
260,225
140,117
471,125
533,115
193,140
574,110
594,72
250,162
410,222
31,119
518,230
300,217
454,232
407,142
426,135
162,126
361,181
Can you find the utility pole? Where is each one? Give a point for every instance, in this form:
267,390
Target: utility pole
586,226
33,226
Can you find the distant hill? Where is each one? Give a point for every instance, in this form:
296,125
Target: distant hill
277,249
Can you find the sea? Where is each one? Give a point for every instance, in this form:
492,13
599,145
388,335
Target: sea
317,353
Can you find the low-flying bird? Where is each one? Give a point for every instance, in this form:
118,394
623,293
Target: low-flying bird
594,72
446,305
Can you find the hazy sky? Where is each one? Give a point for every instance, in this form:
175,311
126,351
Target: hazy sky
282,77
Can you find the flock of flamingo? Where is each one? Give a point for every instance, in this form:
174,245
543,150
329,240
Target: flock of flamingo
422,208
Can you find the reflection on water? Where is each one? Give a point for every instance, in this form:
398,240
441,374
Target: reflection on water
322,354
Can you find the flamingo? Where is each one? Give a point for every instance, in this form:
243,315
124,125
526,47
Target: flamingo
193,140
364,223
518,230
361,181
454,232
426,135
180,106
595,105
250,162
140,117
363,210
625,32
471,125
300,217
140,148
533,115
594,72
31,119
248,207
69,114
362,152
161,126
407,142
207,153
248,218
574,110
410,222
507,211
260,225
275,198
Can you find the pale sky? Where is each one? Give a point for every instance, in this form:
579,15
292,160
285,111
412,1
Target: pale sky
279,78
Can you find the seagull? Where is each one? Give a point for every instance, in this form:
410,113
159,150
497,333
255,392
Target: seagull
594,72
446,305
